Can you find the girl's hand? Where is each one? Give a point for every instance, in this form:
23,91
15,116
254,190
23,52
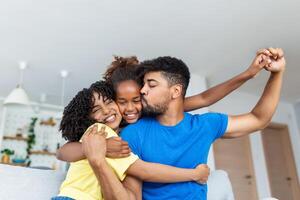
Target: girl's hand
117,148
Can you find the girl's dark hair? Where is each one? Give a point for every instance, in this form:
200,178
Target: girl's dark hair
76,116
122,69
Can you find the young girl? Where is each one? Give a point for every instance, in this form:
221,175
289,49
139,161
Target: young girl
96,104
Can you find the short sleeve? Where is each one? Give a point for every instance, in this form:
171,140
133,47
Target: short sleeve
120,165
131,135
218,123
110,132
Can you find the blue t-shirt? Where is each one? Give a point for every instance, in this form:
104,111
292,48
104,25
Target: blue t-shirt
184,145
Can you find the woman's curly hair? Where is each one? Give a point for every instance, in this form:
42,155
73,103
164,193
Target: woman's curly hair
76,116
122,69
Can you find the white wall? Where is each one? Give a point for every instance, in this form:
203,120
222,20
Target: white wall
238,103
297,112
1,116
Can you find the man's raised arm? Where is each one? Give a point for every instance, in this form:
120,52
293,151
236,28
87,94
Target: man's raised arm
262,113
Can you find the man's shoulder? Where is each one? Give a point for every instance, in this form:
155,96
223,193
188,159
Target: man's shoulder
200,115
206,116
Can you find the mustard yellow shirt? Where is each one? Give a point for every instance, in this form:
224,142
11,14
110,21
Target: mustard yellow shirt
81,182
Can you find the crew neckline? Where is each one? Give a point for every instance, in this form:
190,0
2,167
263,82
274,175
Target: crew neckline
185,115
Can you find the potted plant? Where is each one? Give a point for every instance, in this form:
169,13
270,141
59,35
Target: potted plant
31,138
6,155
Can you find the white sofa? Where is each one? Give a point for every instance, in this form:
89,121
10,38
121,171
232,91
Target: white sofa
36,184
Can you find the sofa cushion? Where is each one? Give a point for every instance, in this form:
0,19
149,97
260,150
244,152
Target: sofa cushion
219,186
27,183
36,184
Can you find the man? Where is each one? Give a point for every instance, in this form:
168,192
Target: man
170,136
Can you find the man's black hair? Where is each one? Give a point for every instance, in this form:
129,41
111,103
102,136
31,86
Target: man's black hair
173,69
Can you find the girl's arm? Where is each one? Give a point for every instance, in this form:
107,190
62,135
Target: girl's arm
154,172
218,92
72,151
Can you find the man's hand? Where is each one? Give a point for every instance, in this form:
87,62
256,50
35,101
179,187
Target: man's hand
117,148
278,61
94,145
276,55
271,59
203,172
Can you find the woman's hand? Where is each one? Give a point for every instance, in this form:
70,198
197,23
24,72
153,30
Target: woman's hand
94,145
202,173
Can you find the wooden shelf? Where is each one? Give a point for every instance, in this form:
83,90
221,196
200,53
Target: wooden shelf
15,164
19,138
42,153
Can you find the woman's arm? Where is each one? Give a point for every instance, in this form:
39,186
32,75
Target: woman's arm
112,188
94,147
218,92
154,172
134,185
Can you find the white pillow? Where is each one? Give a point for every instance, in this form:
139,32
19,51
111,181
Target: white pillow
219,186
36,184
27,183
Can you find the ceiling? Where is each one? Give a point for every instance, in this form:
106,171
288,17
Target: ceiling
217,39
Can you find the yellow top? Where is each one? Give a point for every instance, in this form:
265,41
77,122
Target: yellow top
81,182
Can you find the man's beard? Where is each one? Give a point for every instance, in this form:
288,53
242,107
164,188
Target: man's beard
155,110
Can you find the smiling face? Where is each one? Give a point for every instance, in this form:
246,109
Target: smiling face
128,99
106,111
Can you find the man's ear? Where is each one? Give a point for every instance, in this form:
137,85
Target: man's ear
176,91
